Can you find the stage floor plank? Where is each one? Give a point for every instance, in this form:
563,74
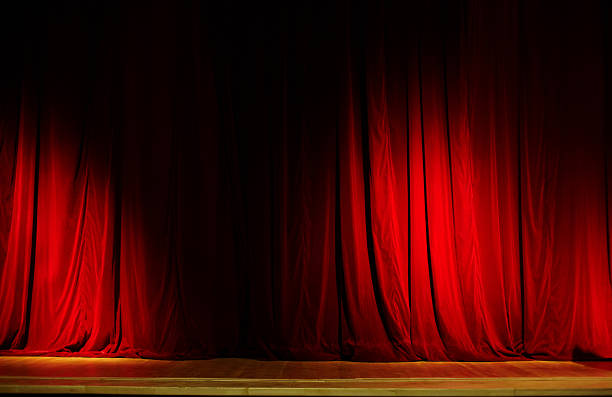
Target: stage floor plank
252,377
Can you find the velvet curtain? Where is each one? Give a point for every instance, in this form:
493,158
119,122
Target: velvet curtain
329,180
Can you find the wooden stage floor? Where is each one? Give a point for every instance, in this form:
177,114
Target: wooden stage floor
250,377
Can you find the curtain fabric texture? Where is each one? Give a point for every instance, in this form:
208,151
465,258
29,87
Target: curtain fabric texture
338,180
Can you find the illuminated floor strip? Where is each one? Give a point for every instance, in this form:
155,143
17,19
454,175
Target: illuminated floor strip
511,386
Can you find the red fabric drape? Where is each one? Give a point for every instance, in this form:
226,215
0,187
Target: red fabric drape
371,181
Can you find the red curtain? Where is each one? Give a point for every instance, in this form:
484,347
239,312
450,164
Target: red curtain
340,180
